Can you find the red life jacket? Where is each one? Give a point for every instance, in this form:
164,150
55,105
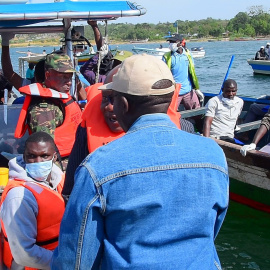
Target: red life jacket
98,132
51,207
64,135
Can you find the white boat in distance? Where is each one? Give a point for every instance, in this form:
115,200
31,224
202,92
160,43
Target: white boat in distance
196,52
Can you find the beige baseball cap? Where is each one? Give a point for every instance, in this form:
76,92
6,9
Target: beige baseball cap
138,73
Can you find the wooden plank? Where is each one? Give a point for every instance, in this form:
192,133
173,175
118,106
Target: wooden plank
191,113
248,126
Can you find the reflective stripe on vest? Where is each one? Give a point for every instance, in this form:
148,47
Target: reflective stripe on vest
192,73
51,208
64,135
36,89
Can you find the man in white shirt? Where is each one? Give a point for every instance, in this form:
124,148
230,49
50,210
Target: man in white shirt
222,112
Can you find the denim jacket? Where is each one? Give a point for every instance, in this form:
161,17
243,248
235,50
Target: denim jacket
153,199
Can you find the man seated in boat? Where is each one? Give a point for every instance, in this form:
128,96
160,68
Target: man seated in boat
261,55
222,112
32,206
49,107
99,126
261,132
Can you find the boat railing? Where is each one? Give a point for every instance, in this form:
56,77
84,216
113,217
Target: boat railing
240,128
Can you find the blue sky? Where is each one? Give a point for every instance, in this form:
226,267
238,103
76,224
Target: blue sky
171,10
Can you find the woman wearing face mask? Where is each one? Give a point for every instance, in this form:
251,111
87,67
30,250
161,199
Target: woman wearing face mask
182,67
32,206
222,112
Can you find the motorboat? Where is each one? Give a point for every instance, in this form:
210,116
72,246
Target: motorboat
158,52
197,52
260,66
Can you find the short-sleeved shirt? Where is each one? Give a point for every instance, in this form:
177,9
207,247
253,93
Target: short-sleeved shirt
179,70
224,116
30,74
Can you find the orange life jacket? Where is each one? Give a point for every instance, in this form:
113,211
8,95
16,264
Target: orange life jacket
51,207
98,132
172,110
64,135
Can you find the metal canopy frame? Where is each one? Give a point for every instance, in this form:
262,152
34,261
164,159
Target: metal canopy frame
32,17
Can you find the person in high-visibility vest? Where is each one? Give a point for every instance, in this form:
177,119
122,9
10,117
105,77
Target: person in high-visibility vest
180,62
32,206
49,106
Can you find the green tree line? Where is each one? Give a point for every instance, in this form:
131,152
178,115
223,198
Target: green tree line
255,22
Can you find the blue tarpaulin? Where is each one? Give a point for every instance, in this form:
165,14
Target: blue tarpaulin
18,15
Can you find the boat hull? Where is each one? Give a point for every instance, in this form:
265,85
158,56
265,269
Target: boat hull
249,176
260,66
197,52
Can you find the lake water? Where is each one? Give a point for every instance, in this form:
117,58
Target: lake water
244,239
211,69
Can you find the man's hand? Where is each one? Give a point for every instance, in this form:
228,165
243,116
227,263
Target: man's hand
246,148
200,95
6,37
92,23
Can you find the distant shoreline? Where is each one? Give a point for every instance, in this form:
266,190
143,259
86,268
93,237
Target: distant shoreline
49,43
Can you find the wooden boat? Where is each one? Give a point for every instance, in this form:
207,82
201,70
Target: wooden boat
260,66
250,175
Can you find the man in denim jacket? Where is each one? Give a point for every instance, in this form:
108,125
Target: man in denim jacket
152,199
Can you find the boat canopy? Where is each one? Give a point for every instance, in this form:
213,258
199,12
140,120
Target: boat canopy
23,16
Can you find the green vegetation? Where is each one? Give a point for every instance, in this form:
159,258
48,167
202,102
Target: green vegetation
254,23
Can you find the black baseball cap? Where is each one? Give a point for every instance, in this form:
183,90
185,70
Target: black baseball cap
175,37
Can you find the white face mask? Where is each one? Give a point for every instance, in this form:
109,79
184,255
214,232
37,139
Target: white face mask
39,170
173,47
229,102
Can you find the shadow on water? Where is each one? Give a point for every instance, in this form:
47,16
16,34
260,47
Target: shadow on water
244,239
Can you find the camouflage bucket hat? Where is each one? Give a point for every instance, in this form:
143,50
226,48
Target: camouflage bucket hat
59,62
